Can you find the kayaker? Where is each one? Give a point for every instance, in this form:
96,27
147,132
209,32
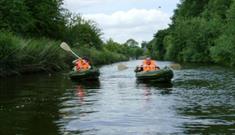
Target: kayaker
87,60
149,65
81,65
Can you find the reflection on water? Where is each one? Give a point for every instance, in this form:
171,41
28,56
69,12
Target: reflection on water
80,92
82,86
200,100
29,104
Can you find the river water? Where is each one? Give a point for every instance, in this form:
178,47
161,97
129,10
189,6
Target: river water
200,100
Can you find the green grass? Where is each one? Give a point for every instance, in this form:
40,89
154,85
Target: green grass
19,55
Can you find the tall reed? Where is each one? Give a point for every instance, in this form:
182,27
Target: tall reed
19,55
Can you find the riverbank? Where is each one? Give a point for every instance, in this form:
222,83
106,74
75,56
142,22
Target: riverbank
20,55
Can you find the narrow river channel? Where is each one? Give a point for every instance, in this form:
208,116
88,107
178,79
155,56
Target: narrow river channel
200,100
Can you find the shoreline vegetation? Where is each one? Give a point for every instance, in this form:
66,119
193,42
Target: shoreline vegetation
201,32
31,32
20,55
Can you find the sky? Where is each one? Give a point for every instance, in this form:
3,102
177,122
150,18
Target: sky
125,19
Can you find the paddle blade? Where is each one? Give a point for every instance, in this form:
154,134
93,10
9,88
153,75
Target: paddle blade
122,67
175,66
65,46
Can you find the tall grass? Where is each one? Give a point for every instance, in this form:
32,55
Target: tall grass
19,55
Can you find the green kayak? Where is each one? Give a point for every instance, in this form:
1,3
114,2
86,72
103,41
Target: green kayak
91,74
161,75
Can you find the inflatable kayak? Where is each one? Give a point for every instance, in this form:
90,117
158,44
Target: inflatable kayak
91,74
161,75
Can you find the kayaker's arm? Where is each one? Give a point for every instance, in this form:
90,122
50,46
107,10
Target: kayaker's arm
139,68
74,62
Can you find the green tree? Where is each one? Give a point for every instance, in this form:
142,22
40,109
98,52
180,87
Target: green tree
14,16
217,9
223,51
202,31
158,45
81,32
48,19
131,43
144,44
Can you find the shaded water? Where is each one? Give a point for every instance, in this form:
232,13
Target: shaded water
199,100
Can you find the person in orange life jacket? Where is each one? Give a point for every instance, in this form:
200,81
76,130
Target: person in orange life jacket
149,65
81,64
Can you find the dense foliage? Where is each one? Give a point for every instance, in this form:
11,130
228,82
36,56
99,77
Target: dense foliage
33,17
31,31
20,55
201,31
130,49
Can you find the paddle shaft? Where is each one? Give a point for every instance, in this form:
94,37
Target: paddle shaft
75,54
67,48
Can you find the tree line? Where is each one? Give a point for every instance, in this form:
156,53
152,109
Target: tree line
31,31
201,32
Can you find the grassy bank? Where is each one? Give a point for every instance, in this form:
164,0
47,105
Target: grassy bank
20,55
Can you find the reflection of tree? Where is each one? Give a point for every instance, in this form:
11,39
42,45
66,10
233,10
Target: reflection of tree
33,106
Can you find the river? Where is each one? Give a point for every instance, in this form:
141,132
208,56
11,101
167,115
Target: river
200,100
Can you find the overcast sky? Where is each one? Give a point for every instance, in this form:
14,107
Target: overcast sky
125,19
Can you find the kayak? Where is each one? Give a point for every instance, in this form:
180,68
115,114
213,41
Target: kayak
161,75
91,74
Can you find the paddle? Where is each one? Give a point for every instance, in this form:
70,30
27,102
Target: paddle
121,67
66,47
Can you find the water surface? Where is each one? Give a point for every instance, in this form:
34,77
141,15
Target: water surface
199,100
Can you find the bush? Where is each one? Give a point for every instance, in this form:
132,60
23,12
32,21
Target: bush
21,55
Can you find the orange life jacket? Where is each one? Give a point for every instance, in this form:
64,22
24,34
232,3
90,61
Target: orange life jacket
149,66
82,65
